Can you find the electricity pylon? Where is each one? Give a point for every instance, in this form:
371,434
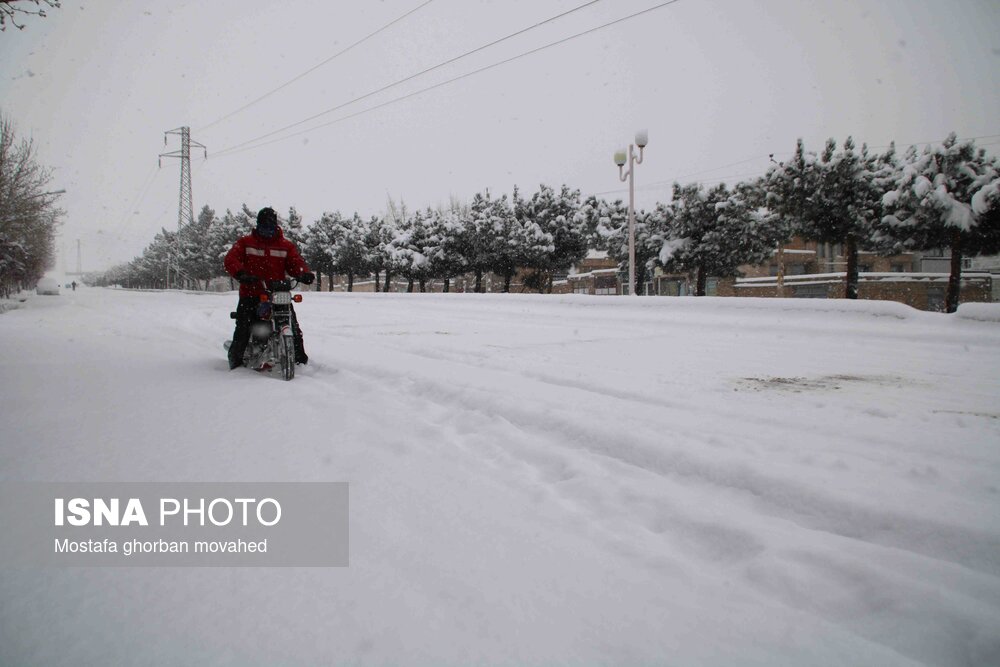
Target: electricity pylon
185,209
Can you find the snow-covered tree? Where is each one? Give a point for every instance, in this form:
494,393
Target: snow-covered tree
194,248
607,225
223,233
350,250
472,239
447,234
157,259
336,244
830,198
714,232
378,236
408,248
946,197
395,260
555,215
292,227
315,249
513,243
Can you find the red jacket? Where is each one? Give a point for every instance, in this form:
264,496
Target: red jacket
269,259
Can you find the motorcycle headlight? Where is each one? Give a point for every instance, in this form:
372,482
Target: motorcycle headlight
281,298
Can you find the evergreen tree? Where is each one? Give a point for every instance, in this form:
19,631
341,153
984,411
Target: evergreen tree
513,243
194,248
396,258
473,241
447,234
555,215
714,232
831,198
312,252
150,269
336,244
946,197
376,239
349,247
607,228
292,227
222,234
411,248
399,253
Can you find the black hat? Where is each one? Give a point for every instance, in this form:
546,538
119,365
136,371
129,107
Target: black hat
267,222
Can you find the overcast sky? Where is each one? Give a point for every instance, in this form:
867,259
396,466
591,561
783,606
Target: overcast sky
719,84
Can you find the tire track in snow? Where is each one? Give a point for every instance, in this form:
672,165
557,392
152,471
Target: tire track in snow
781,498
798,514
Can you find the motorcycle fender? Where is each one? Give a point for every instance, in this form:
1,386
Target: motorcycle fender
286,330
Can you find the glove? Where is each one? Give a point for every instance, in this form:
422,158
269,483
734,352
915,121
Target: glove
247,278
307,278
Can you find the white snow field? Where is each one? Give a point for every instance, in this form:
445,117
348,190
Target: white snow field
534,480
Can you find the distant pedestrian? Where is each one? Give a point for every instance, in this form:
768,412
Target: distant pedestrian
73,285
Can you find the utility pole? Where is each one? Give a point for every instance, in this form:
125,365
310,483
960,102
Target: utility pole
185,208
79,261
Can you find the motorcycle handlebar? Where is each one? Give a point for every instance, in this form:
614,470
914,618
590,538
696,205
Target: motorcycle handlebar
271,285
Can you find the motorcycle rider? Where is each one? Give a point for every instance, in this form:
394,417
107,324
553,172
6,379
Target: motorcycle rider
264,254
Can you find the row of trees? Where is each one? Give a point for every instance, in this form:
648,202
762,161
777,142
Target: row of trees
29,216
945,197
490,235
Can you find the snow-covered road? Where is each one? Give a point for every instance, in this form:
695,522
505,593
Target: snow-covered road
534,479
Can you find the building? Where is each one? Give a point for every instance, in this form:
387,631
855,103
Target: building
818,271
596,274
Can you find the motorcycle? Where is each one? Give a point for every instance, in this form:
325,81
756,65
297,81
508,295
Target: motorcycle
272,340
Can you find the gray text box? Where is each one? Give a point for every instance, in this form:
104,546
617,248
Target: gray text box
312,530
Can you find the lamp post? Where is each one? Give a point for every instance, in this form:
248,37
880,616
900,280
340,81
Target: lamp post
780,288
641,139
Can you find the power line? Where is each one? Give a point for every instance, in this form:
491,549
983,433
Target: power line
243,147
935,141
671,181
314,67
662,185
408,78
141,194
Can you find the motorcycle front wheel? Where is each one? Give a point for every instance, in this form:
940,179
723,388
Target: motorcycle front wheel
286,355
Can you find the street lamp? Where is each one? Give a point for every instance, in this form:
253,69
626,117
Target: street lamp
641,139
780,278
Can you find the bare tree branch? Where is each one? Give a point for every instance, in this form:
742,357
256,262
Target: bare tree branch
9,9
28,213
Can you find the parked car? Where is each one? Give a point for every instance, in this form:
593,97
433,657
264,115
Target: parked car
47,286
